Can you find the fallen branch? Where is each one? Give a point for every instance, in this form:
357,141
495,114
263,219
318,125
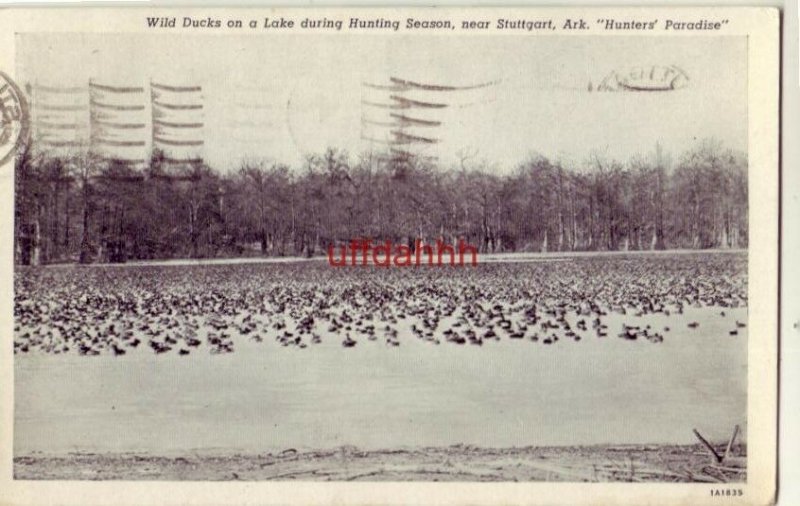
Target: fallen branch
711,449
730,442
701,477
738,470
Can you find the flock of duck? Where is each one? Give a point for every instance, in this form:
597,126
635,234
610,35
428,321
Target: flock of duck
186,309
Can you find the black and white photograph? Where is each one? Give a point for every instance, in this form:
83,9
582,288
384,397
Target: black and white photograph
333,246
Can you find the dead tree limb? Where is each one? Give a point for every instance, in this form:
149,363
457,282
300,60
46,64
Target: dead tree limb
730,442
716,455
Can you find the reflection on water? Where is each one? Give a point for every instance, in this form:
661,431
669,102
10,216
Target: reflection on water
506,393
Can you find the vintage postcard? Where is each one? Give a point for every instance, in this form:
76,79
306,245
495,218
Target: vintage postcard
389,256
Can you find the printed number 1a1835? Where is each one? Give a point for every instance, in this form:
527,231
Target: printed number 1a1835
726,492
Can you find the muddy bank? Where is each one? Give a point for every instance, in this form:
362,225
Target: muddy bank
662,463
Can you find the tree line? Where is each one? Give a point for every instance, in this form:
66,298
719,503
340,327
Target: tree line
82,209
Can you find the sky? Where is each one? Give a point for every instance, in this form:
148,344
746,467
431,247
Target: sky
281,97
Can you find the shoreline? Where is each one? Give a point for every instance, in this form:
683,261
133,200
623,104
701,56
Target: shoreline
596,463
482,257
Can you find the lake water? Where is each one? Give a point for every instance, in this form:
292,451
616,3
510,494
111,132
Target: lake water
264,397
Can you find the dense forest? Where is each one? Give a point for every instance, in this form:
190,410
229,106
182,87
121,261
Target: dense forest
81,209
